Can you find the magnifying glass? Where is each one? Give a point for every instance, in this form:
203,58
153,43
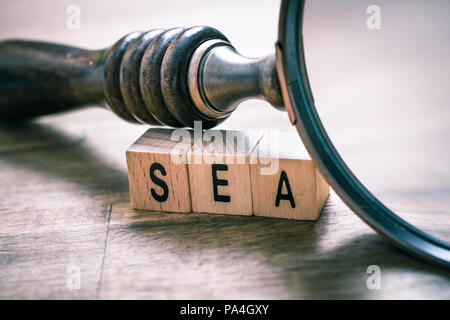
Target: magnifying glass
364,82
367,88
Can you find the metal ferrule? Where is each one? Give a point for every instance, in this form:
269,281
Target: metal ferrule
220,79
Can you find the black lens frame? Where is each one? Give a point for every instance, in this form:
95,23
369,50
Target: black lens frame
299,99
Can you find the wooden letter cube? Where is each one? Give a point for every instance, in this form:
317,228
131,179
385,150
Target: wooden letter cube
157,182
219,172
290,186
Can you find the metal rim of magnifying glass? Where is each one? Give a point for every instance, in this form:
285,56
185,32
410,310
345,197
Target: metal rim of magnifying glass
298,98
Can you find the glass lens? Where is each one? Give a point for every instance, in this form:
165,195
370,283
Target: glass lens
379,73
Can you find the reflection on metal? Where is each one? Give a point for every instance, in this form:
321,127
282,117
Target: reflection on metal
220,79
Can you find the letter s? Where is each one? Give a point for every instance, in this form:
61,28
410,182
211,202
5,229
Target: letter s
159,182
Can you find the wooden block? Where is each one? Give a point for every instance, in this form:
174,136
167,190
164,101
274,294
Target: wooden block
225,172
157,172
219,172
294,188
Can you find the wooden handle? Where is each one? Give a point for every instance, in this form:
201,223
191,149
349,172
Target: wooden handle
38,78
144,77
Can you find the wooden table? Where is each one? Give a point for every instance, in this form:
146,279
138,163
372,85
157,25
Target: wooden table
64,202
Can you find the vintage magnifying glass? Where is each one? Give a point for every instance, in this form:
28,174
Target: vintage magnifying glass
364,82
368,88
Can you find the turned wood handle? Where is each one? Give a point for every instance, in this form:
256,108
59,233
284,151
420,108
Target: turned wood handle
145,77
38,78
142,77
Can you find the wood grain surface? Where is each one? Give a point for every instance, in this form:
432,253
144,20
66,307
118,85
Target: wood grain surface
65,202
64,199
